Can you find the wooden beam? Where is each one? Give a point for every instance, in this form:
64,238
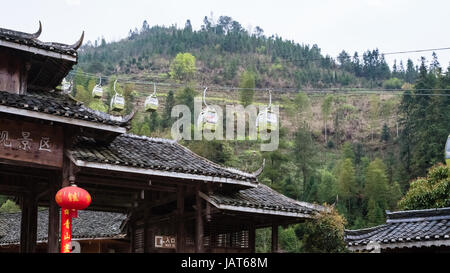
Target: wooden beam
122,183
198,222
161,173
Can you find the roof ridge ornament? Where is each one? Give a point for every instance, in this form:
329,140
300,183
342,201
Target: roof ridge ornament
78,43
260,170
37,33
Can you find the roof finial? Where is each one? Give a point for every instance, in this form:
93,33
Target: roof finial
259,171
37,33
78,43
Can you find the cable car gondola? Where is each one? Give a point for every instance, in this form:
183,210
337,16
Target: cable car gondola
267,120
117,101
447,151
97,91
151,102
208,117
66,86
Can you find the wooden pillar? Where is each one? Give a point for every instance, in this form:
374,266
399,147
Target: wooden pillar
28,225
147,215
181,239
24,206
251,238
53,217
132,237
274,238
198,222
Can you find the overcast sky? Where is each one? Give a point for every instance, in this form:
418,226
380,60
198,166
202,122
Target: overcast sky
353,25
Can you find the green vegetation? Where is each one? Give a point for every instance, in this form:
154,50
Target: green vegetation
432,191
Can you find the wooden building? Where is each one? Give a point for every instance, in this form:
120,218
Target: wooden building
425,230
175,200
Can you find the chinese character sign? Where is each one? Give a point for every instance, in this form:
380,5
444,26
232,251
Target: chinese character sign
31,142
162,241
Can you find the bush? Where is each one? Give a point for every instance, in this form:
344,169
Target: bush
325,233
9,206
393,83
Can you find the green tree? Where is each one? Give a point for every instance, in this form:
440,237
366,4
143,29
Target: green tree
375,214
374,112
305,154
432,191
154,122
288,240
186,97
145,129
327,188
166,120
247,84
385,134
326,111
376,191
347,187
183,67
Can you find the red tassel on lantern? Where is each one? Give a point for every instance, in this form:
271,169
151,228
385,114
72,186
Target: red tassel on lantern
70,199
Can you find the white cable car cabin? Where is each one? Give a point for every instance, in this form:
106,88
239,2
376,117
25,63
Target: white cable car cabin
208,117
117,101
97,91
65,86
447,151
151,102
267,120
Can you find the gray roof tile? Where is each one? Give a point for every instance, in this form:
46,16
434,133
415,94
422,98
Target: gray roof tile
58,104
421,225
263,197
152,153
88,224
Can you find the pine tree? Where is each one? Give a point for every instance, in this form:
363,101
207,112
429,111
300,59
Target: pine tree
385,134
166,121
326,110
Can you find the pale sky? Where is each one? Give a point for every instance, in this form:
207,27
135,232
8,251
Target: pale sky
389,25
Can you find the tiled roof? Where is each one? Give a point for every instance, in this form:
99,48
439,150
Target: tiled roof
405,229
32,41
156,154
57,104
263,199
88,224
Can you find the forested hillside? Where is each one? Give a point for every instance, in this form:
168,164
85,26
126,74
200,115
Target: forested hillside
224,49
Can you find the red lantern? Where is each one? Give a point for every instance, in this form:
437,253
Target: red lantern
70,199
